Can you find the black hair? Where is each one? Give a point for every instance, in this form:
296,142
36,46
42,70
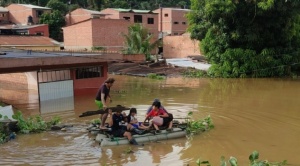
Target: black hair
132,110
156,104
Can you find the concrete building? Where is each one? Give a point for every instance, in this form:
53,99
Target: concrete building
147,18
26,14
105,34
81,14
172,21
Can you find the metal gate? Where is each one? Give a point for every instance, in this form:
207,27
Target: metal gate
55,91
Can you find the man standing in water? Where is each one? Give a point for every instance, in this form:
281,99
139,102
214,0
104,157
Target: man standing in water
103,99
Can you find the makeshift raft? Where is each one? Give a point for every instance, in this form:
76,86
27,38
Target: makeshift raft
105,140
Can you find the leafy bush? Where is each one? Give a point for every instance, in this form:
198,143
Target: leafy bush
34,123
253,159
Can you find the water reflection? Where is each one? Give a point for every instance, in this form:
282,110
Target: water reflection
249,114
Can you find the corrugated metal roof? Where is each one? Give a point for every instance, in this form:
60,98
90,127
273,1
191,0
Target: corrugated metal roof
3,10
13,26
35,7
94,12
186,62
11,40
132,10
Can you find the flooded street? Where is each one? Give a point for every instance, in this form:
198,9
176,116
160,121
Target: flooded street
248,114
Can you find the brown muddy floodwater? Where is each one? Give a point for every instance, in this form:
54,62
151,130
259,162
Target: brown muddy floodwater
248,114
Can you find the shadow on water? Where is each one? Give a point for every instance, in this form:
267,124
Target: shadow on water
249,114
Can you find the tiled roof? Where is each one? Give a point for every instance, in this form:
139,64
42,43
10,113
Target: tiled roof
35,7
2,9
11,40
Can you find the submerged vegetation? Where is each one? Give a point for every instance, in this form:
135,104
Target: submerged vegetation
155,76
193,73
32,124
198,126
253,161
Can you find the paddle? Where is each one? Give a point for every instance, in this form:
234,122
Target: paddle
101,111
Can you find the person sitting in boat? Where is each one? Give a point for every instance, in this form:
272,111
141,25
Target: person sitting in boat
117,129
151,107
159,117
135,124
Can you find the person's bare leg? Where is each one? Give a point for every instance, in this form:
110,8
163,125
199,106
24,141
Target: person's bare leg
103,119
155,126
170,125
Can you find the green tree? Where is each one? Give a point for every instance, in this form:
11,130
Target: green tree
138,41
55,22
256,38
58,6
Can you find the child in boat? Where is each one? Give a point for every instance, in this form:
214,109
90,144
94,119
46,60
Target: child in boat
117,129
159,117
134,122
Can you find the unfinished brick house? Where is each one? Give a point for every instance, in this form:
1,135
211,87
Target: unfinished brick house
3,15
95,32
81,14
147,18
172,21
26,14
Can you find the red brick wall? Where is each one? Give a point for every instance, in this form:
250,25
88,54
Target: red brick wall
114,14
109,33
173,15
96,32
178,15
111,13
3,16
81,85
180,46
134,57
78,36
40,29
18,14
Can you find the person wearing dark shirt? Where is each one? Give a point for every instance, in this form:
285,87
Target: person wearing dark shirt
117,129
103,99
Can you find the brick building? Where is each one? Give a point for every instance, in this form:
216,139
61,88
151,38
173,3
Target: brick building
180,46
29,42
147,18
174,21
25,14
11,29
81,14
3,15
96,32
